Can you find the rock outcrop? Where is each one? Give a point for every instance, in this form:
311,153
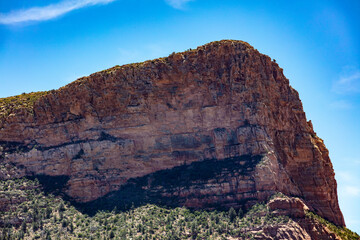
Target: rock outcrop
292,207
215,126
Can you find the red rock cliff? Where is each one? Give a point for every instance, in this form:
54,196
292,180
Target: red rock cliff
220,124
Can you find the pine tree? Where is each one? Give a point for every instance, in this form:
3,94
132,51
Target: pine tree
23,226
232,214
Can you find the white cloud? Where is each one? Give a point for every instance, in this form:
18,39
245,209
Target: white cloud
55,10
346,176
178,4
349,184
352,190
47,12
348,82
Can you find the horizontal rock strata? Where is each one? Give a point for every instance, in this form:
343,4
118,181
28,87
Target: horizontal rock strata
221,103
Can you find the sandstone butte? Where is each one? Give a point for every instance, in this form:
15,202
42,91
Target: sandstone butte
215,126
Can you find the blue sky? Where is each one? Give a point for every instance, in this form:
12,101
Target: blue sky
45,44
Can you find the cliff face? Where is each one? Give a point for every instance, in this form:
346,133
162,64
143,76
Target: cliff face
215,126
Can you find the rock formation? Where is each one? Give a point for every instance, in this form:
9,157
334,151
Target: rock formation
215,126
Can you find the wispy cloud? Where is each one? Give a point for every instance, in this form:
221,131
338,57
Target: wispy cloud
346,176
352,190
349,82
348,183
145,52
341,105
178,4
47,12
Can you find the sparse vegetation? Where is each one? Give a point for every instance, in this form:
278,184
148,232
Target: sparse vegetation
342,232
33,215
24,101
30,214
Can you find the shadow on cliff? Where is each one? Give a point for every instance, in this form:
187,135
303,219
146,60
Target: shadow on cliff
168,188
52,184
174,187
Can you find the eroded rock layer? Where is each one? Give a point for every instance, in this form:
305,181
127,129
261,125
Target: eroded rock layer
223,109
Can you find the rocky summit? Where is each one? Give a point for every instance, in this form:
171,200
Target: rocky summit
214,127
